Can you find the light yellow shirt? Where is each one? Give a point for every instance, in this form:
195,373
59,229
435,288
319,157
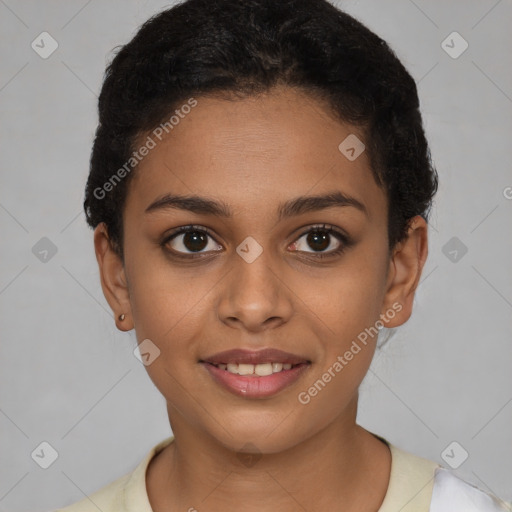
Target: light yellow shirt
409,490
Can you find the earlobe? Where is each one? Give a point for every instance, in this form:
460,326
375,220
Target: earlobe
113,278
406,266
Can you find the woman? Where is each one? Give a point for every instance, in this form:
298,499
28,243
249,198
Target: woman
259,190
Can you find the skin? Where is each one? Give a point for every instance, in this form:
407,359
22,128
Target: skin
254,154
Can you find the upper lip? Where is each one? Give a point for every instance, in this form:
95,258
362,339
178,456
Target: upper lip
243,356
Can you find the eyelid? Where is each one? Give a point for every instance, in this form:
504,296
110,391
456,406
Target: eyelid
189,227
323,226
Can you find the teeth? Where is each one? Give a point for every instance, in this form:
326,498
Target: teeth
245,369
261,370
232,368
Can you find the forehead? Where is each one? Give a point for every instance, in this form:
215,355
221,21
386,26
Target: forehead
252,153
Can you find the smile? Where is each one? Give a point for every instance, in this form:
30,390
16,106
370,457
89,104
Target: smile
255,381
255,374
261,370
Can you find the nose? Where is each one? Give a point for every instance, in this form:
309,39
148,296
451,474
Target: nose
254,296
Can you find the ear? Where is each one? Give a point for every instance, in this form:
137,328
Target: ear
113,278
405,267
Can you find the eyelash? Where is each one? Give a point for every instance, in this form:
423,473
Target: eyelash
346,242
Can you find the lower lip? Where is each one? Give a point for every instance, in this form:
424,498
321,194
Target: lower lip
249,386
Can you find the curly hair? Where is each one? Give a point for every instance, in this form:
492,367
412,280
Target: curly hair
246,47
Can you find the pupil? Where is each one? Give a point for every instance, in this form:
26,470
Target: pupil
194,240
316,237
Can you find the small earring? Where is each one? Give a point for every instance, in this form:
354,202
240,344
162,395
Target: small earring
121,317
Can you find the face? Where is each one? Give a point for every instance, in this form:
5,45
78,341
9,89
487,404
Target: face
258,265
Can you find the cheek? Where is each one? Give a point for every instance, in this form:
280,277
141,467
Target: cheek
174,311
349,307
177,323
348,300
173,316
164,298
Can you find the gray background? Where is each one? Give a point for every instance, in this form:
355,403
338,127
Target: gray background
69,378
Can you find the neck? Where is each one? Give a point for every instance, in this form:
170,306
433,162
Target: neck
323,471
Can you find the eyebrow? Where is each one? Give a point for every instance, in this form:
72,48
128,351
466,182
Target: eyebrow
293,207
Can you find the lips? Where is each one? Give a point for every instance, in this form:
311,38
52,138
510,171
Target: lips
242,356
288,368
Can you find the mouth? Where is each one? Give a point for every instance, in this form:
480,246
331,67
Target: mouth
253,374
257,370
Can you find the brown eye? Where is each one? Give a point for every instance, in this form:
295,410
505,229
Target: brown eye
318,240
321,241
190,240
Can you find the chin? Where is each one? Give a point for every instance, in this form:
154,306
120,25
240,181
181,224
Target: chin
258,437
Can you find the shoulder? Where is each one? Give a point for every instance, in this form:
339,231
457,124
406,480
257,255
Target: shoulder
107,499
421,485
410,483
126,494
451,493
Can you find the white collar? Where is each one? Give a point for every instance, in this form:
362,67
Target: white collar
451,494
